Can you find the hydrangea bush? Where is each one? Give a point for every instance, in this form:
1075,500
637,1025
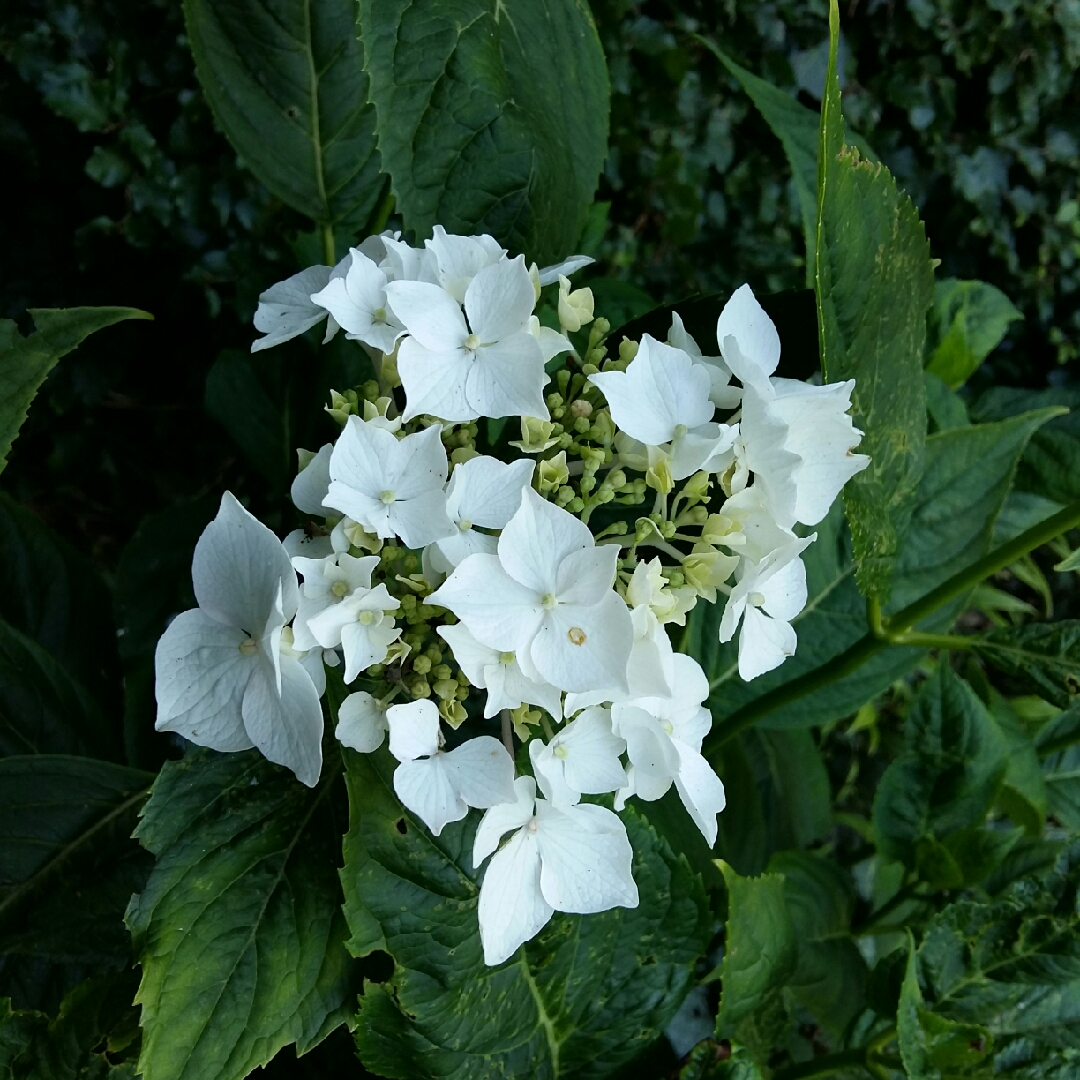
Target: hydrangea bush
504,752
431,571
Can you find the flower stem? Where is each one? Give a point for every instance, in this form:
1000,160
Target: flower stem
895,631
329,251
507,732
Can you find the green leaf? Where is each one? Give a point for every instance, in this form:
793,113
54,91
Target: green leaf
1051,464
829,980
947,778
1062,731
945,406
1013,966
961,493
56,597
43,710
94,1037
492,115
932,1046
153,577
966,323
239,930
1023,794
63,821
236,398
287,85
1070,562
582,998
760,956
874,281
799,131
25,361
1044,658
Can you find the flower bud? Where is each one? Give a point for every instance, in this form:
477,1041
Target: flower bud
617,479
566,493
697,487
443,672
341,405
536,435
420,689
421,665
553,473
628,350
575,308
453,712
463,454
446,689
705,569
658,476
581,408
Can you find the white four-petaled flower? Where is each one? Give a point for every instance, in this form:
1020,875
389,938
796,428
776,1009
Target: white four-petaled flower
546,596
439,786
222,677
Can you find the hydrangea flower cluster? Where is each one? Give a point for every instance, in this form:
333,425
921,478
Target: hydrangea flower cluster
454,587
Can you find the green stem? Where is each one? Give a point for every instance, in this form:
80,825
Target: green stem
988,565
383,209
329,250
896,630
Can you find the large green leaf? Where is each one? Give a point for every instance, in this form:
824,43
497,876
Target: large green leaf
799,131
286,81
237,399
932,1046
874,281
944,783
62,820
1043,657
968,473
25,361
55,596
492,115
830,975
582,998
1051,464
760,955
43,710
967,322
239,930
1013,966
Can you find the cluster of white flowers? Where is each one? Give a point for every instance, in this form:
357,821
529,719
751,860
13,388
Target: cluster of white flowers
417,544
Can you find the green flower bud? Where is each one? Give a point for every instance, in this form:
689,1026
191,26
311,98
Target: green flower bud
421,665
420,689
627,350
443,672
575,308
553,473
453,713
446,689
536,435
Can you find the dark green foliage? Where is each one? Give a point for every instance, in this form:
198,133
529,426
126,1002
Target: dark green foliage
580,1000
491,116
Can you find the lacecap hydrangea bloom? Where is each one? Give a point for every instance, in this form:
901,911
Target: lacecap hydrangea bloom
476,591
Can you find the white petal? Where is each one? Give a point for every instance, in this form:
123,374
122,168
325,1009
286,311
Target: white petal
417,463
362,459
455,549
582,759
585,859
414,729
309,488
200,678
420,520
429,313
287,727
238,569
821,433
764,644
571,265
472,656
299,545
500,300
700,789
512,909
648,746
757,344
551,342
366,645
517,687
580,649
361,723
286,309
503,817
486,491
460,258
537,539
662,388
586,576
424,787
507,378
481,771
785,591
758,527
499,612
435,382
